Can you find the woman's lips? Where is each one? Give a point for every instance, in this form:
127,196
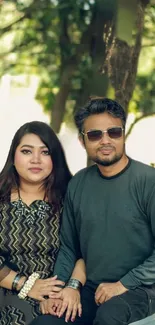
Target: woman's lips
35,170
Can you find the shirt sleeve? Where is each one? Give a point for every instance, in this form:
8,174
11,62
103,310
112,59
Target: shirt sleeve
144,274
69,250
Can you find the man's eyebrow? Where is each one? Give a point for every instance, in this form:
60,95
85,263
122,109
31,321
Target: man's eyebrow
30,146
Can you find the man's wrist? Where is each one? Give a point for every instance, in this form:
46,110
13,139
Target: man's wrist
122,287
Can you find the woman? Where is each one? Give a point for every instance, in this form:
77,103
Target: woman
33,183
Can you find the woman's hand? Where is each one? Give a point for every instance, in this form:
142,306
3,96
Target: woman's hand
45,287
70,303
50,306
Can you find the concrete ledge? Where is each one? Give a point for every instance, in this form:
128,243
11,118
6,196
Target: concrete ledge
150,320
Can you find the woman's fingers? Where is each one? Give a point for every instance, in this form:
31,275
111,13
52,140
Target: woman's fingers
79,309
45,287
56,295
50,290
58,307
55,289
62,309
53,281
42,308
71,309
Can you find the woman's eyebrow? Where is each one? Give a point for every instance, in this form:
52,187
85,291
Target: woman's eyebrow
31,146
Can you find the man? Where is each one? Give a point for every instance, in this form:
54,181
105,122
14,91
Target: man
109,221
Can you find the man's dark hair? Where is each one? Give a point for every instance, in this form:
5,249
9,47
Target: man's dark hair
99,105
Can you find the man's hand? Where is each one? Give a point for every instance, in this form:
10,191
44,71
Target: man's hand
50,306
71,303
106,291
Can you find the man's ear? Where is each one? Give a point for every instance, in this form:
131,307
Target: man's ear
81,139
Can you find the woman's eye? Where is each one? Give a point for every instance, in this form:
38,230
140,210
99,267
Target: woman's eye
45,152
25,151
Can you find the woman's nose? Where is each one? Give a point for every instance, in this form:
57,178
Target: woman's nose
36,157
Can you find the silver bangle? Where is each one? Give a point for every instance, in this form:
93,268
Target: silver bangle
15,281
74,284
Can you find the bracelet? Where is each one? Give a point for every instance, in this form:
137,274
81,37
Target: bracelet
74,284
28,285
16,281
22,285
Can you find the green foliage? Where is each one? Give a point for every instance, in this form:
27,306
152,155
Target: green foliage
143,101
148,33
144,95
45,37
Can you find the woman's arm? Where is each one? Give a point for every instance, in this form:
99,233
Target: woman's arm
70,295
39,289
8,281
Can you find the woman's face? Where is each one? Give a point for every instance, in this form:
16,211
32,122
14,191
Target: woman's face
32,160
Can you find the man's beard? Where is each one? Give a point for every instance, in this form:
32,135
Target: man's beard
107,162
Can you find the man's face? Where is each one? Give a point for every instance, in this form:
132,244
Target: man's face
105,151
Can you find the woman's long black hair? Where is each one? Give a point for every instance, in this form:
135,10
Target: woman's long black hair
56,183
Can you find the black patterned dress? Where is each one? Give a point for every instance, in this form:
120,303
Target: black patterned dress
29,242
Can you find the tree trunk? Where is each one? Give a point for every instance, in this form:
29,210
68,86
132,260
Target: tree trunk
93,45
95,82
122,61
58,109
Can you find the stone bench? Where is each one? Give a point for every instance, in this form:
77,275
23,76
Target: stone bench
150,320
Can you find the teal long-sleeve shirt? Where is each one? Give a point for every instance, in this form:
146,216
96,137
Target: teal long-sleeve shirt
110,223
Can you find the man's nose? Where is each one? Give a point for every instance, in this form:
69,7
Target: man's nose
105,138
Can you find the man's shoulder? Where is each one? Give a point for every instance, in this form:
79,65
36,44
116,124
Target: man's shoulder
81,175
84,171
143,174
142,168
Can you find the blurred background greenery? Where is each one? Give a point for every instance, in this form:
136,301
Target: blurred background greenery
81,48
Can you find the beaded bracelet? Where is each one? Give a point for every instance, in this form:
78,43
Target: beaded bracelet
28,285
74,284
22,284
16,281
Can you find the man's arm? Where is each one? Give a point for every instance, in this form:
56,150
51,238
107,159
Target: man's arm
69,251
144,274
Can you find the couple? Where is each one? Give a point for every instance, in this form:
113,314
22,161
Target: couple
107,251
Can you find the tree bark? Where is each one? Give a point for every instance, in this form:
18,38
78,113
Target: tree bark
93,45
58,109
122,61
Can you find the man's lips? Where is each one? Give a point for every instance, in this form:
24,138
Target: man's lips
106,150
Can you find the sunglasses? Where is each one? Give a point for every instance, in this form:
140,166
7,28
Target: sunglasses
95,135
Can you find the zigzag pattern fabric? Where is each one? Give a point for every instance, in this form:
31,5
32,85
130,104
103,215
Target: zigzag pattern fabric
29,242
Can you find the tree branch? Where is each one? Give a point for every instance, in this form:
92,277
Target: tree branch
7,28
149,45
26,14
